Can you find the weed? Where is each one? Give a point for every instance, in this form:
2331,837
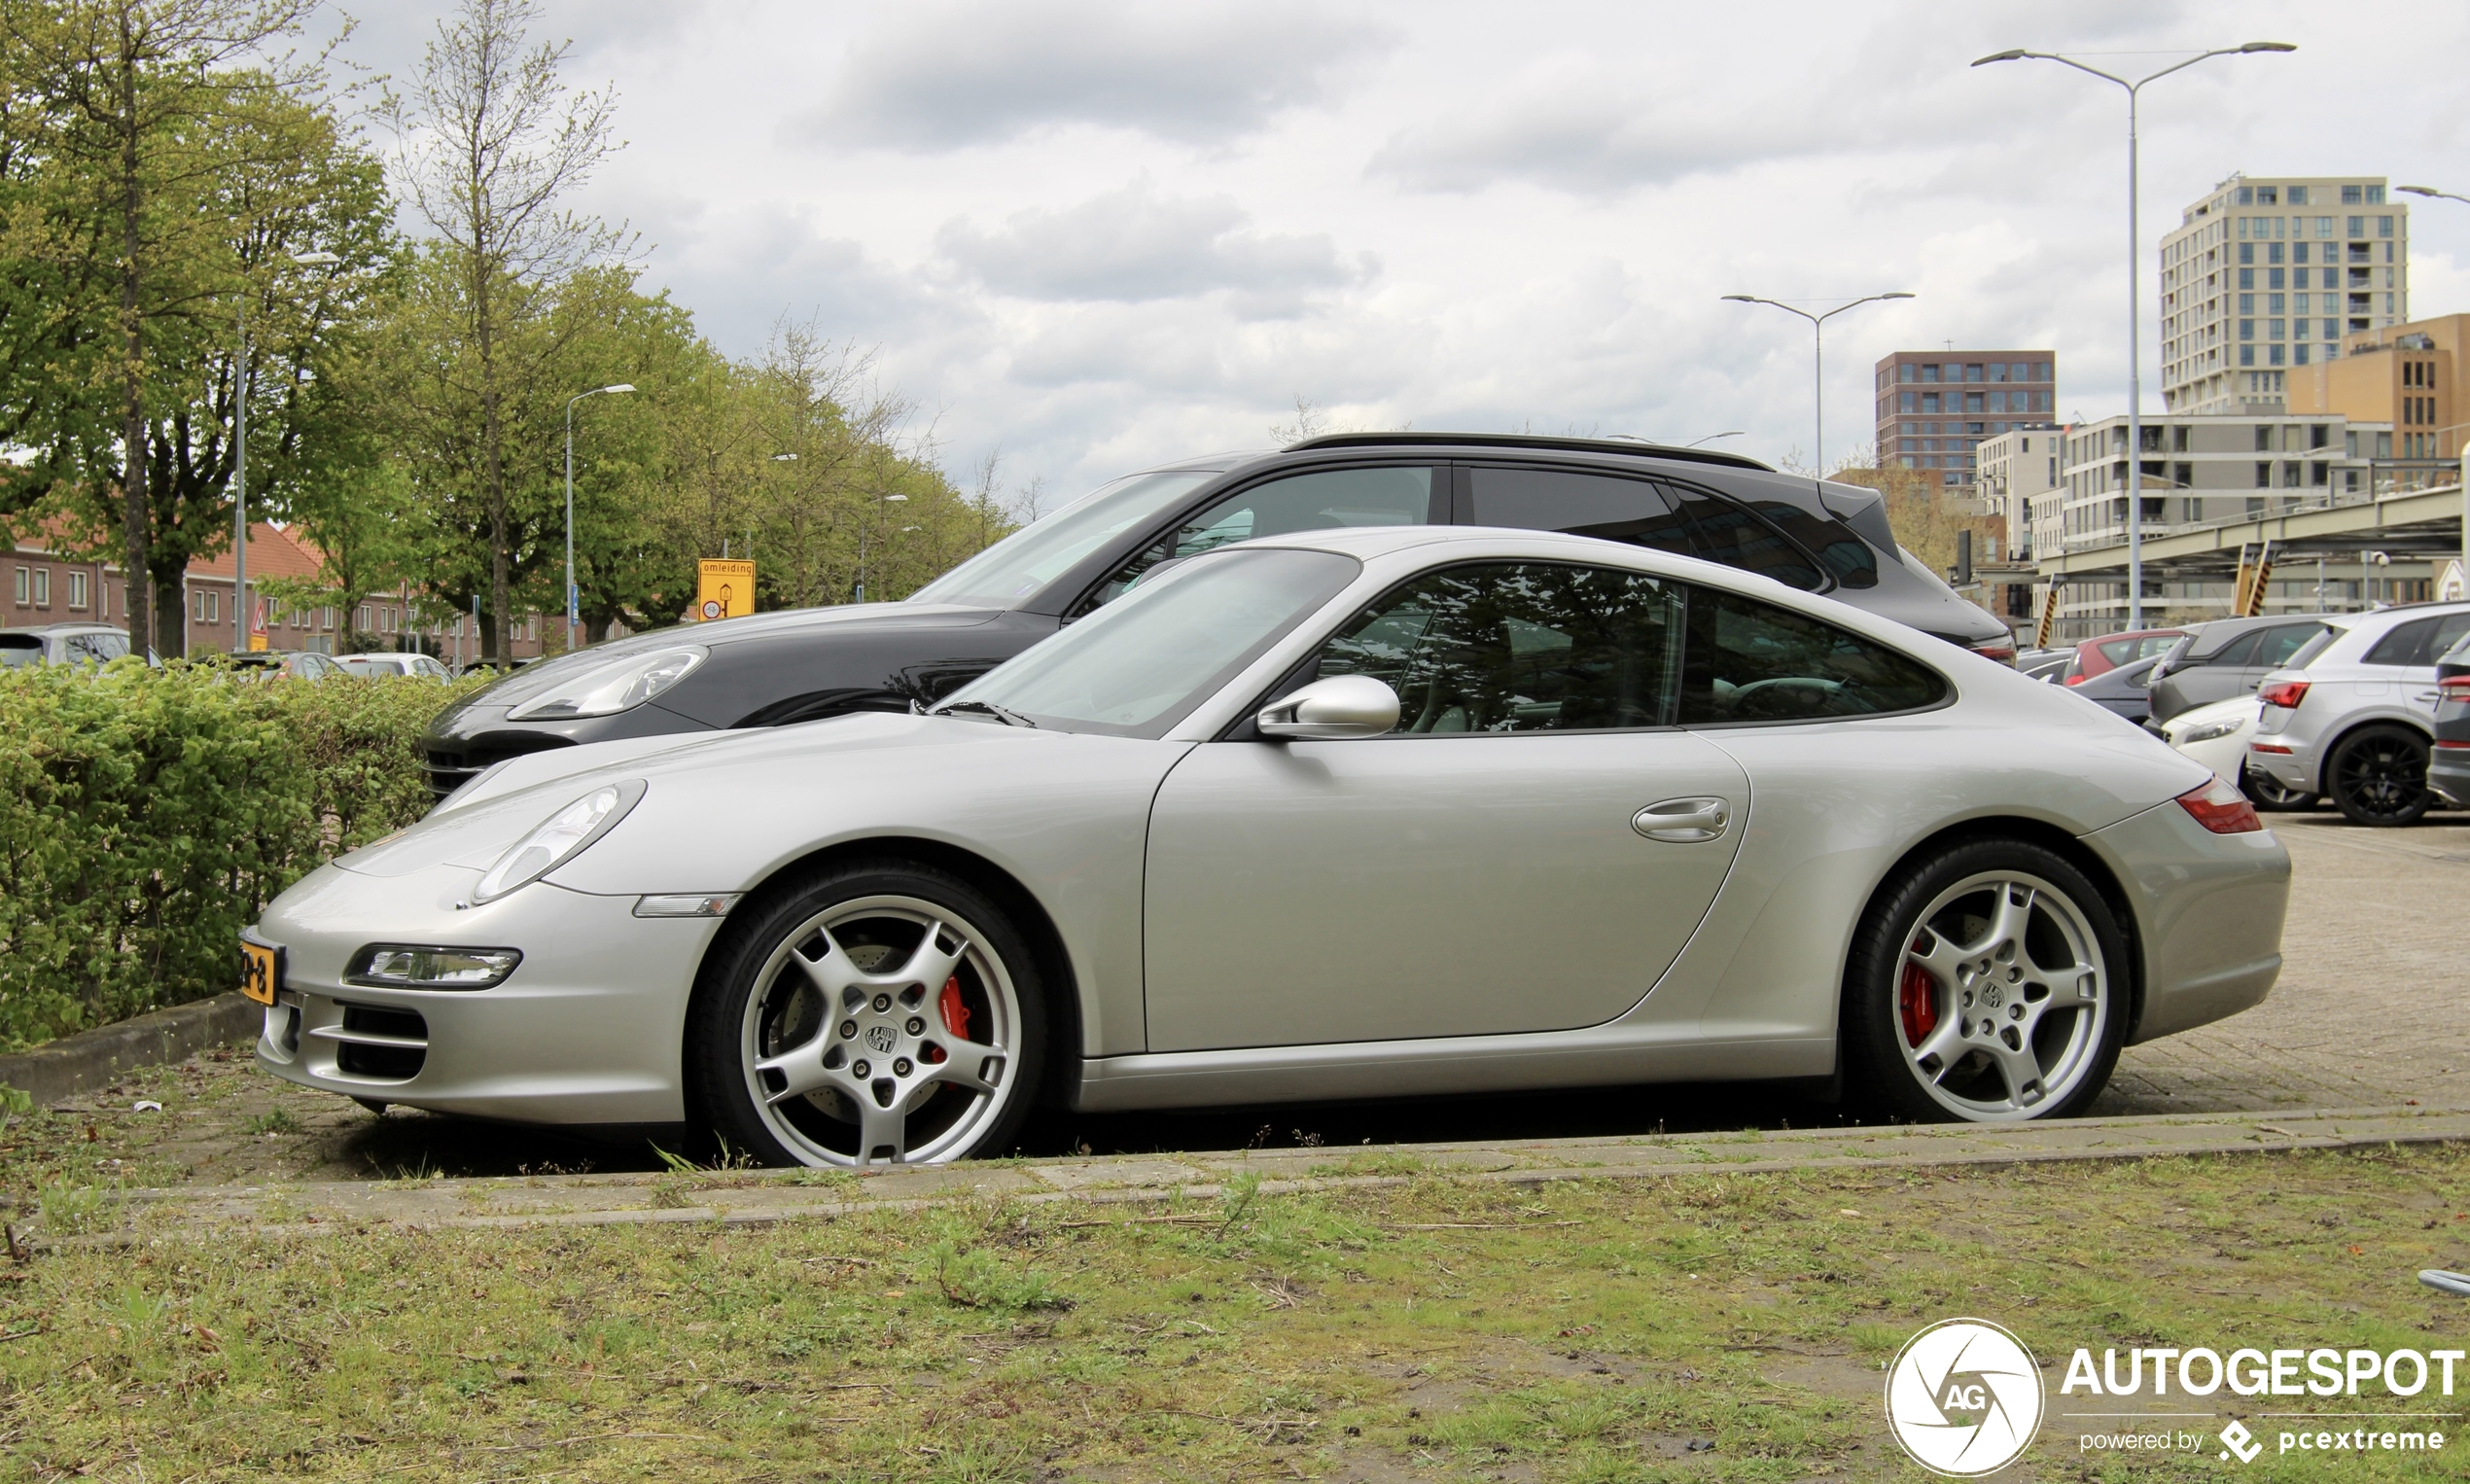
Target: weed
974,1277
274,1121
1241,1189
71,1206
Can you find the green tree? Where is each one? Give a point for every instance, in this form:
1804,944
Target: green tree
490,145
144,112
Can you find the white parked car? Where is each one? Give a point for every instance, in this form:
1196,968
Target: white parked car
2216,734
2353,715
1343,814
406,664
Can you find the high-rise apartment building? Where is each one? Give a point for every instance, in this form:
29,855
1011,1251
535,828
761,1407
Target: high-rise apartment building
1935,406
2265,275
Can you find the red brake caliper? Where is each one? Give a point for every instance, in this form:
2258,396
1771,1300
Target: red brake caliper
955,1011
1917,1000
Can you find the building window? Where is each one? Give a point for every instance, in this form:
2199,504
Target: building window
2248,302
2264,473
77,589
1929,401
1904,372
2247,332
42,587
1908,401
2357,229
21,586
2273,330
2351,196
2384,226
1929,373
2298,353
2246,252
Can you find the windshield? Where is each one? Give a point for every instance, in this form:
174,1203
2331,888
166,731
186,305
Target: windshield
1028,559
1141,664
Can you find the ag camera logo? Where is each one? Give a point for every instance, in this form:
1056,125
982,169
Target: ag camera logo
1964,1397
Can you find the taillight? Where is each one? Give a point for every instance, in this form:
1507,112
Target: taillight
2220,808
2454,688
2002,650
2283,692
2074,680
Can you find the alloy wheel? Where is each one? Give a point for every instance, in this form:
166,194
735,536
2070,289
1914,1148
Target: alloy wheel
2380,777
2001,998
882,1030
2270,792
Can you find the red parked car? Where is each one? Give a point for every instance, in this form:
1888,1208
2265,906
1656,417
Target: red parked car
2096,656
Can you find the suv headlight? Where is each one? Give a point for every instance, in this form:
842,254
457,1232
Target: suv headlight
559,838
618,686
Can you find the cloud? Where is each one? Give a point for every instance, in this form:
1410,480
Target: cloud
1581,136
951,76
1133,245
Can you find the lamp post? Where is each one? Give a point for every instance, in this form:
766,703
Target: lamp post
2447,195
572,600
861,542
1817,362
2134,350
240,466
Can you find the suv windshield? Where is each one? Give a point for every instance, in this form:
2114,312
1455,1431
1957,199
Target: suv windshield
1142,662
1028,559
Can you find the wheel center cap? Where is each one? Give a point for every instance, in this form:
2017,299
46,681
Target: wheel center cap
882,1037
1989,996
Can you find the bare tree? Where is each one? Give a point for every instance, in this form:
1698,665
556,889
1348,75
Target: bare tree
1311,421
489,146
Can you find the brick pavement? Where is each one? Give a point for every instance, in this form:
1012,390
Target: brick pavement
2374,1003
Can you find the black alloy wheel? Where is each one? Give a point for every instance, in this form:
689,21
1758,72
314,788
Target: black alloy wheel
2379,776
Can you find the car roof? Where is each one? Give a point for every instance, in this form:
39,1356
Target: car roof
2212,634
1629,448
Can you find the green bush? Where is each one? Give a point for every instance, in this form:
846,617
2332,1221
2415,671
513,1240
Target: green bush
146,815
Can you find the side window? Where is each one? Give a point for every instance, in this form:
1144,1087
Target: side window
1602,505
2241,649
1520,647
1841,550
2419,641
1729,532
1747,662
1321,501
2277,645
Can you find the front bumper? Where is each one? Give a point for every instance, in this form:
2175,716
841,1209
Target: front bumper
587,1029
2208,911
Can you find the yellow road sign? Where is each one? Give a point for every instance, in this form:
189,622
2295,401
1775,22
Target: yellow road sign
723,590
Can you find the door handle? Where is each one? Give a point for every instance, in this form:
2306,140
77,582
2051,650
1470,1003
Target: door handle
1682,821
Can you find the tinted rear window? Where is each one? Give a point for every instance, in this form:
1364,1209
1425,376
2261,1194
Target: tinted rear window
2419,641
1747,661
20,649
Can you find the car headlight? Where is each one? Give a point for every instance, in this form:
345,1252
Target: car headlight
413,965
618,686
2209,730
559,838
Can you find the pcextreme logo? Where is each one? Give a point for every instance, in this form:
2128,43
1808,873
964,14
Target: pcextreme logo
1964,1397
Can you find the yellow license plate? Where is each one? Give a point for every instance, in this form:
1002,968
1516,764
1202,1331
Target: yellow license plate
260,971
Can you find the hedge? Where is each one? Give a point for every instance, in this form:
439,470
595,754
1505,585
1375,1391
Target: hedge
146,815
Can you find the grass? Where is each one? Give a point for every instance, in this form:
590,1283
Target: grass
1715,1326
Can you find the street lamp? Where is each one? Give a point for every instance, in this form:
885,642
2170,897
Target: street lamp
240,466
2447,195
1817,362
2134,350
861,542
573,598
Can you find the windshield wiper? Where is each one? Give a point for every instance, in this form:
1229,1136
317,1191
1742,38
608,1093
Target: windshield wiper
1003,714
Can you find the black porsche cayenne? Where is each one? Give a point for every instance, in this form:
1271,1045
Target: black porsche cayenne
798,665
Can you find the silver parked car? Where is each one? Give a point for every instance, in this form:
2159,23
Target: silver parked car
2352,717
1340,814
2226,657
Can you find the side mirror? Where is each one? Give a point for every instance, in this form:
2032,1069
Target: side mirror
1335,707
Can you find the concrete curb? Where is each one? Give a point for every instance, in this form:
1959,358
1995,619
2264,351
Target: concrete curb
760,1198
93,1059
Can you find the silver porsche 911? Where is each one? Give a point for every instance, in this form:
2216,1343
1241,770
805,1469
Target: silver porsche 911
1355,814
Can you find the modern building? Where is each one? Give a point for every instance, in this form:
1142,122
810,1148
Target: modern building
2263,276
2019,471
2404,376
1934,407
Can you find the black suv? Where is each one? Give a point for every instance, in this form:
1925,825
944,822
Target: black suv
773,669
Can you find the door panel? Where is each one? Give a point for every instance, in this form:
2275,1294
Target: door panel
1401,887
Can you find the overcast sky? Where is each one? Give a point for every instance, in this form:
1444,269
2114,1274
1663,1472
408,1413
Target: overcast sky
1101,236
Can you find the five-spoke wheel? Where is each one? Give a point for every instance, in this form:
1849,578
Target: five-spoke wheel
881,1016
1985,986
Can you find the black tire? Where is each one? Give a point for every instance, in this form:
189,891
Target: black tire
2267,794
2378,776
997,973
1883,1077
